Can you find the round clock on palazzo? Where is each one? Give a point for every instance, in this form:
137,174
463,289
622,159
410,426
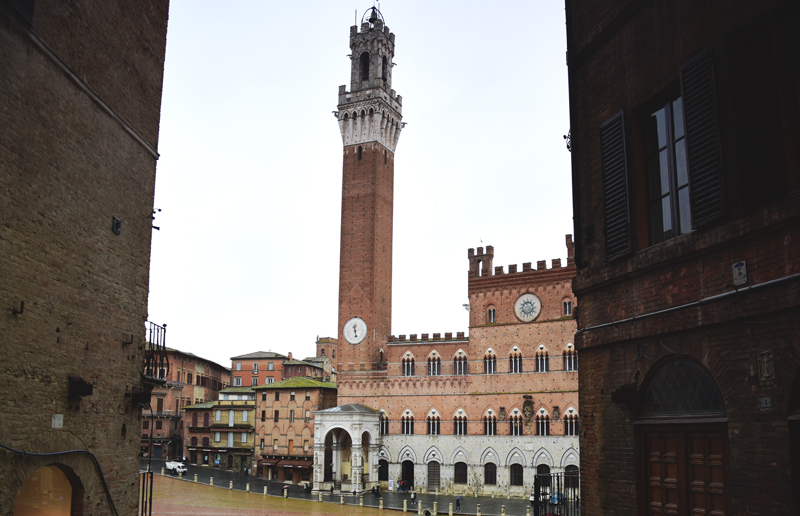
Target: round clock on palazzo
527,307
355,330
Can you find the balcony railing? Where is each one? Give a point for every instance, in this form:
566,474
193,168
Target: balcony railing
156,362
168,413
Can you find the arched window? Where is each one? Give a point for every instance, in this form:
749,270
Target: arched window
460,473
570,358
408,365
205,442
434,366
490,363
571,424
515,361
567,308
542,360
459,425
364,66
385,68
407,423
515,472
384,424
217,416
194,441
516,422
434,425
491,315
490,474
460,364
50,490
572,478
489,425
542,424
323,349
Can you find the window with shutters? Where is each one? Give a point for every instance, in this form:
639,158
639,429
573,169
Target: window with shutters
669,212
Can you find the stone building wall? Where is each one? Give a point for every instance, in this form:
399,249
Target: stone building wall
81,95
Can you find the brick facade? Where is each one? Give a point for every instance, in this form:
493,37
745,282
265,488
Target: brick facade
285,427
80,88
257,368
654,296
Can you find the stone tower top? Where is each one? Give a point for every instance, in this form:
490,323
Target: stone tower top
371,110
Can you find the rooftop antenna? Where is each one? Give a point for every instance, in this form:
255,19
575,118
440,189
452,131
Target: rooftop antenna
355,17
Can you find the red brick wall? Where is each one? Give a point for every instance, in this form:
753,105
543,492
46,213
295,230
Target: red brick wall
365,272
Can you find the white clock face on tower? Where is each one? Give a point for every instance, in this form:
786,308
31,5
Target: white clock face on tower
527,307
355,330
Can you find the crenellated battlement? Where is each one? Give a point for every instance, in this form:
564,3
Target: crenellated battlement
480,263
426,337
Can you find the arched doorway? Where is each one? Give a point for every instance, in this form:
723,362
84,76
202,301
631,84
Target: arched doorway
681,441
383,469
407,474
433,475
54,490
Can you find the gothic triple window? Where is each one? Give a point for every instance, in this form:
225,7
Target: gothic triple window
384,424
460,425
407,425
408,365
570,359
542,360
542,424
490,425
571,424
515,361
516,422
490,363
434,365
434,425
460,364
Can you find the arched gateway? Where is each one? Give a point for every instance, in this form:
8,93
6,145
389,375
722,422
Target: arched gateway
346,448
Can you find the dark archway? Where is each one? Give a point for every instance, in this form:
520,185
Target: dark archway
52,489
681,441
433,475
383,469
408,472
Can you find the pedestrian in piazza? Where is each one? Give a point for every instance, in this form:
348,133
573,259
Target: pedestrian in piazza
413,497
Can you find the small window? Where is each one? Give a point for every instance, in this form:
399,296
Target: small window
263,415
270,379
323,349
308,416
492,315
217,415
305,445
364,62
244,437
262,444
146,425
263,396
277,396
385,68
244,416
254,381
270,366
230,439
359,152
291,416
237,381
238,366
255,367
333,353
567,308
216,437
276,416
308,396
274,444
291,396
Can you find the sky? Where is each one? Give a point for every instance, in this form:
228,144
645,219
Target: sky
250,174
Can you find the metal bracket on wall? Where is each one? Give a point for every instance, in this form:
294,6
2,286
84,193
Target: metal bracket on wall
21,309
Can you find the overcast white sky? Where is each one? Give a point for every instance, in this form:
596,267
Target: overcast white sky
249,179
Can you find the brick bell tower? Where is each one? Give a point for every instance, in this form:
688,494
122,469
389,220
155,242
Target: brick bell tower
369,117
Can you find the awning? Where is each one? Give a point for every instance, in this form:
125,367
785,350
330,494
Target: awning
290,463
268,462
